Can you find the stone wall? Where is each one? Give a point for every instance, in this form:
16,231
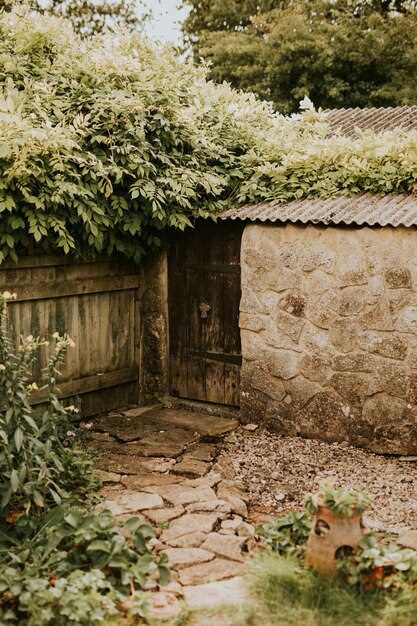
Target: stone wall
329,333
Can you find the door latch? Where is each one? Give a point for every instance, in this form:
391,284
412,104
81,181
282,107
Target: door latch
204,310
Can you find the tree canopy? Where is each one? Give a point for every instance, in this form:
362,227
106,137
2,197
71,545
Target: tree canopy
108,143
90,17
340,53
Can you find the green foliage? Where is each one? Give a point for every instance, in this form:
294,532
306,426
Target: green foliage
65,565
340,54
39,462
90,17
342,502
287,535
108,144
75,567
108,141
380,563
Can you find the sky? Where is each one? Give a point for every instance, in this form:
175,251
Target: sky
165,25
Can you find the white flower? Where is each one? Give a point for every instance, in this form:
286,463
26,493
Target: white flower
70,433
2,367
9,296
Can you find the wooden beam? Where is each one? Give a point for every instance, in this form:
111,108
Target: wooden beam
89,384
79,287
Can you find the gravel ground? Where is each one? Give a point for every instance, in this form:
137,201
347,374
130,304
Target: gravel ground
279,471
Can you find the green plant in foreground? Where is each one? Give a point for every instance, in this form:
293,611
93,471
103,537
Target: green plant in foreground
75,566
342,502
287,534
39,462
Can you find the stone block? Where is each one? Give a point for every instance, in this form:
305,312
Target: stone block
183,494
301,390
132,502
218,569
191,467
180,558
285,364
352,387
353,277
314,339
254,323
324,417
344,334
269,385
351,300
390,345
398,278
355,362
321,310
289,325
189,523
317,366
162,516
407,320
294,303
377,316
226,546
222,593
253,346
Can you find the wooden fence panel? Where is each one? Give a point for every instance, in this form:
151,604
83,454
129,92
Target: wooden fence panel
98,305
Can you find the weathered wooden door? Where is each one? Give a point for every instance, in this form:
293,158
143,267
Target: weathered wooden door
204,298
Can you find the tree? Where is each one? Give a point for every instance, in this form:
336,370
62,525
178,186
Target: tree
90,17
343,53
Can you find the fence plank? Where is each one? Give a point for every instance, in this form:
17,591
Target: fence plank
98,305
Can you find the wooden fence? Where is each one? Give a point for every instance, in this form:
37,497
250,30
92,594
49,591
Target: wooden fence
99,305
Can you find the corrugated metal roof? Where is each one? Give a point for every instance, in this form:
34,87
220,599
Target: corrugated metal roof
347,121
365,209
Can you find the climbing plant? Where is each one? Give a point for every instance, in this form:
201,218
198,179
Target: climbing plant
106,144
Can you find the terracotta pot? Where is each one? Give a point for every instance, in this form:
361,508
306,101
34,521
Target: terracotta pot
330,534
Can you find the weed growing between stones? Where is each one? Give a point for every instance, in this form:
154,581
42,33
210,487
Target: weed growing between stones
61,563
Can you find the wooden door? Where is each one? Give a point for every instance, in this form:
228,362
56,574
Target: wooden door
204,298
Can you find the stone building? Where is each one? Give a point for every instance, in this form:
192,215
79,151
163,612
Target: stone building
303,315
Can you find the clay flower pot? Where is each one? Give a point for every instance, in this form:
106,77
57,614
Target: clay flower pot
330,534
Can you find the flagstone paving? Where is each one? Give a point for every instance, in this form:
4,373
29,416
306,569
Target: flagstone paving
161,464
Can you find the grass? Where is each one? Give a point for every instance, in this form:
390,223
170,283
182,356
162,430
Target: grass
286,594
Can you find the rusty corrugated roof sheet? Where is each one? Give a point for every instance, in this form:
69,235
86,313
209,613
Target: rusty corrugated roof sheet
347,121
365,209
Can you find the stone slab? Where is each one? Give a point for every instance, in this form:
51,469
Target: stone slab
131,502
180,558
161,516
226,546
131,465
190,540
107,477
220,506
201,452
189,523
218,569
203,424
140,481
130,426
165,443
179,494
222,593
191,467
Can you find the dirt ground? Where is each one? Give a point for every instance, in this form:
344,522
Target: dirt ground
280,471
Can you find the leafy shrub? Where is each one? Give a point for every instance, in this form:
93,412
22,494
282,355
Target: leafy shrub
378,562
75,566
38,462
107,143
287,534
342,502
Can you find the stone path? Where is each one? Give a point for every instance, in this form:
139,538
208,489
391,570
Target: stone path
162,464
